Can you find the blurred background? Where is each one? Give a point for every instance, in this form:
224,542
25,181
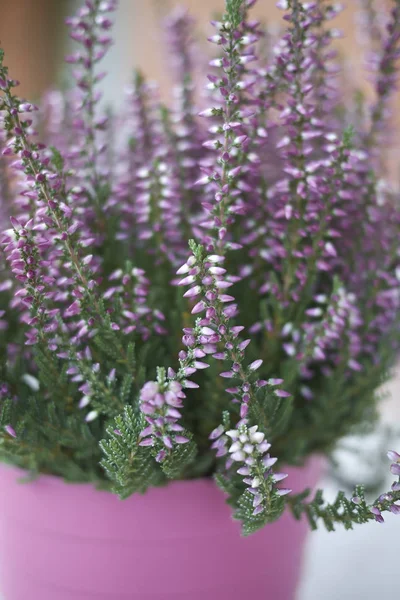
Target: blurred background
33,36
362,564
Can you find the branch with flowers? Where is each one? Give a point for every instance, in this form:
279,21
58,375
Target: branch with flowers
266,205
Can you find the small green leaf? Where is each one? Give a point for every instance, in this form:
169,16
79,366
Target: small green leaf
57,159
234,11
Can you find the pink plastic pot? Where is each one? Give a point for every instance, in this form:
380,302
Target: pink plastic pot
64,541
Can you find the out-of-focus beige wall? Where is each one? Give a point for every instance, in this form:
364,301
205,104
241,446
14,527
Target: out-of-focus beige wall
30,32
146,44
147,16
33,36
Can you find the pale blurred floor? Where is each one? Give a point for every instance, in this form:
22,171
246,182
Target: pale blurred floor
362,564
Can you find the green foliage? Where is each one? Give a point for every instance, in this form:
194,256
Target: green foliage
234,11
272,414
51,369
177,461
131,467
252,523
348,136
241,500
57,159
342,511
48,441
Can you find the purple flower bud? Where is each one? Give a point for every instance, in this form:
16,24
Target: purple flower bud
244,409
395,469
10,430
161,456
255,365
215,258
91,416
146,442
194,291
227,374
375,510
15,223
200,365
283,491
377,514
258,510
216,433
279,477
198,308
314,312
209,112
190,384
207,331
269,462
393,456
187,280
180,439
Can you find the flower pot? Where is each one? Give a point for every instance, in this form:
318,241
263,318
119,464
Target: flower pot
63,541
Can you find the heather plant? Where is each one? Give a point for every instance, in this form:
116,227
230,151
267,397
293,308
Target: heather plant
261,225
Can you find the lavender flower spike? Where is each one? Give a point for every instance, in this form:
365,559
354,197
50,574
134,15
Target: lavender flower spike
248,450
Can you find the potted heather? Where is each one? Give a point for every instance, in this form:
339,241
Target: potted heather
192,298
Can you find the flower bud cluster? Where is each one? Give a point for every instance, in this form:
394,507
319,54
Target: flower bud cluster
229,133
160,402
388,502
209,283
247,447
330,335
90,30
